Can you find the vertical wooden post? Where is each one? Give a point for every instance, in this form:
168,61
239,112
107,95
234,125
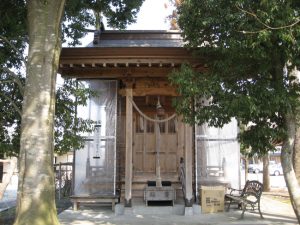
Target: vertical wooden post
128,160
188,147
59,181
157,149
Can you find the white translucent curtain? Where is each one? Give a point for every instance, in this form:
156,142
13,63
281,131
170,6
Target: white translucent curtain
218,147
95,164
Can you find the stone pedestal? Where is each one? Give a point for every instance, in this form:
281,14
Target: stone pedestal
188,211
166,193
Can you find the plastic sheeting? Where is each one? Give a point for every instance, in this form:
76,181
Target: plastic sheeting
218,155
95,164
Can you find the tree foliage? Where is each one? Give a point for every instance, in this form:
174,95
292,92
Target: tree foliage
78,16
12,33
68,127
251,50
10,114
36,197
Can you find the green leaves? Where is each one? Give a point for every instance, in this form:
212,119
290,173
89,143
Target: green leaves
247,46
79,15
10,105
13,41
68,127
13,28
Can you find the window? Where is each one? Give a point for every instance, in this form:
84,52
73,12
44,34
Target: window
172,126
150,126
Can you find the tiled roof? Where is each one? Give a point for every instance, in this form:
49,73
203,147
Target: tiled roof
137,38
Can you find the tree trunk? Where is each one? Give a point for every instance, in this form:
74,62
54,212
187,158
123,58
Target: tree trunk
36,192
287,163
296,157
266,174
246,169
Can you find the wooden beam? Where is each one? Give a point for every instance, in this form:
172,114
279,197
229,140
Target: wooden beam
115,72
133,61
128,157
168,91
125,52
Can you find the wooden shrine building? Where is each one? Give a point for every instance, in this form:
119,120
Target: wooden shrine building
140,148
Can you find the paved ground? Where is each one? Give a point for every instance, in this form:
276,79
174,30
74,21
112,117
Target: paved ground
274,212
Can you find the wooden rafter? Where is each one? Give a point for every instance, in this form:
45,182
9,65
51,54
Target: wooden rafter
109,62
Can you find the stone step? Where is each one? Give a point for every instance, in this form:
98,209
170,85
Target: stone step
139,192
139,208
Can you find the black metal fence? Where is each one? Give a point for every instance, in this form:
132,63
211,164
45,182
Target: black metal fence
63,179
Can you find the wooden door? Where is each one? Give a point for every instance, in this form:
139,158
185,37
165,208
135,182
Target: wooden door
144,146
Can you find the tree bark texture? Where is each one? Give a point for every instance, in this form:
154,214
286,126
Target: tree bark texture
287,163
266,174
296,157
246,168
36,190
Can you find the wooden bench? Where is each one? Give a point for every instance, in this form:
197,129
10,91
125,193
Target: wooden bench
247,197
105,198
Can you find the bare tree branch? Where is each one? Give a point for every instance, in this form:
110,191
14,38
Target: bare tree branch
14,48
264,24
252,32
15,79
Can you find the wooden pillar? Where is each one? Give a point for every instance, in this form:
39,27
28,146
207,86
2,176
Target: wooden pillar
128,157
188,155
157,149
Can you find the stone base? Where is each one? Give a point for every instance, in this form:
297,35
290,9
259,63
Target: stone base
128,203
189,202
120,209
164,193
188,211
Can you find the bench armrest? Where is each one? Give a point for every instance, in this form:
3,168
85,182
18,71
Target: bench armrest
233,190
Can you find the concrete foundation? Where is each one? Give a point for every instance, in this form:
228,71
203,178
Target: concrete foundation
275,212
188,211
150,210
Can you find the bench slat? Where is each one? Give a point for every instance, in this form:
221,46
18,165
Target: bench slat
77,199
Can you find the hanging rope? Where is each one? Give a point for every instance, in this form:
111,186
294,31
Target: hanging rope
147,117
157,137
